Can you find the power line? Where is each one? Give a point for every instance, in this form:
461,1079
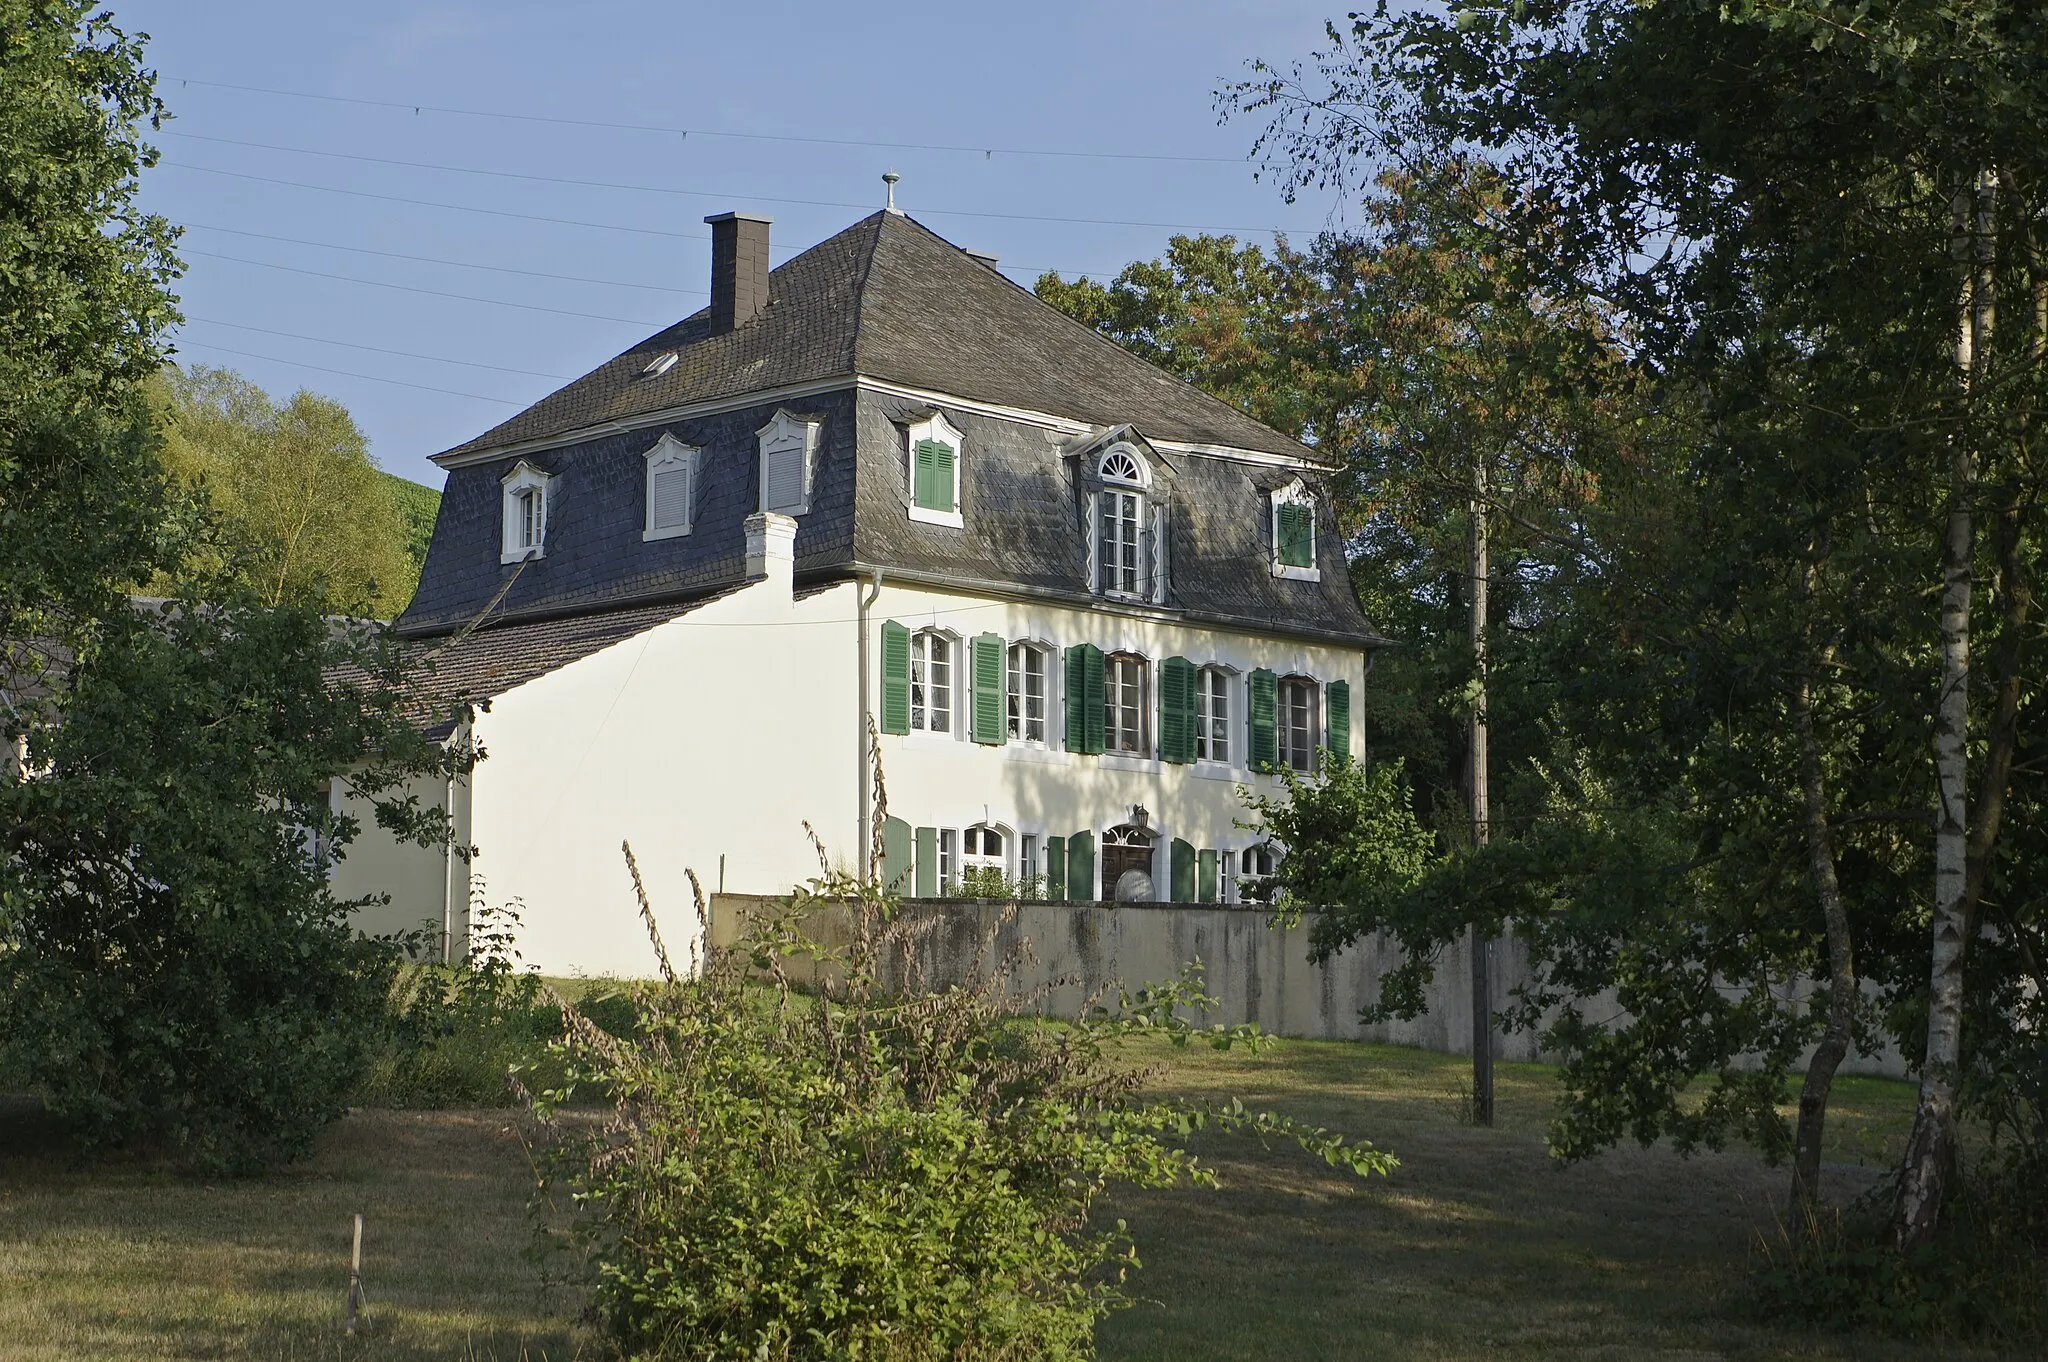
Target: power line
984,152
348,373
430,292
523,217
700,193
378,349
435,260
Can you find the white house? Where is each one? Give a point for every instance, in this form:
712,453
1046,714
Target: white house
1082,603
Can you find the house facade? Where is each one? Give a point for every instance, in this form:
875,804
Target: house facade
877,506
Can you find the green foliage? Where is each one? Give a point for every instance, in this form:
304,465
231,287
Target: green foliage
307,513
989,882
865,1171
172,962
417,507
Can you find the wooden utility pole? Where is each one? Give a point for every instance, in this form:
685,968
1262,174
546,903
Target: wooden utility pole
355,1277
1482,811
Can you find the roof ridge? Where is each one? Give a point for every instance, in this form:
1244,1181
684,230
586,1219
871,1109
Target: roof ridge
860,289
1098,338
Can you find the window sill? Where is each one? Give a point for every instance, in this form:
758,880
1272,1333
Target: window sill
672,532
1216,770
950,519
521,556
919,737
1297,574
1050,756
1130,761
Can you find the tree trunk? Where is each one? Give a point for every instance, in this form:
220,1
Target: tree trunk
1482,804
1834,1042
1930,1153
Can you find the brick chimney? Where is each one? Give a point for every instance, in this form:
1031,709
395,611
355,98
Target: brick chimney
739,269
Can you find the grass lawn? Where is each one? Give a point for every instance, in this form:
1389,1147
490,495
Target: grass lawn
1476,1247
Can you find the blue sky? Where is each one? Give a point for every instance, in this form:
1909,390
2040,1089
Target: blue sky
246,174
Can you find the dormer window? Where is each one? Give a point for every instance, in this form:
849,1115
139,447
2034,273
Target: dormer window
525,514
788,445
931,471
1127,532
1294,534
671,488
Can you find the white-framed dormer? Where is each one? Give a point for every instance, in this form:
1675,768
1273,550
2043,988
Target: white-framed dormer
931,471
788,446
1124,533
525,513
671,488
1293,533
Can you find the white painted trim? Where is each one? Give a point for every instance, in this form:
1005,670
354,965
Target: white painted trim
939,430
860,383
664,454
522,477
786,433
1293,494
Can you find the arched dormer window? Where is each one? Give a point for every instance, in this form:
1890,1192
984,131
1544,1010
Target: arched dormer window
788,445
1127,534
931,471
671,488
1294,534
525,510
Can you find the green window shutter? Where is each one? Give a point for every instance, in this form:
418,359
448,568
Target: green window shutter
932,476
1337,732
1177,710
1055,868
1182,868
1081,867
1297,535
895,677
1205,875
1262,703
1084,698
927,863
1096,711
896,858
988,689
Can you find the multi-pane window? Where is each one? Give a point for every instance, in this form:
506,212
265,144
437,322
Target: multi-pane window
1117,546
1212,715
931,683
1027,857
949,860
531,505
1025,695
1296,721
1124,707
984,847
1255,875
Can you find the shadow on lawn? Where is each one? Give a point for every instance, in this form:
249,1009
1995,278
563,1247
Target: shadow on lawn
129,1260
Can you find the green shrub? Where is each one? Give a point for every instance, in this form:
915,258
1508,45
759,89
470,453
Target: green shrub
989,882
856,1173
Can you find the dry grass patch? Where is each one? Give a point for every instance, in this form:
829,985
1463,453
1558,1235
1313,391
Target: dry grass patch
133,1262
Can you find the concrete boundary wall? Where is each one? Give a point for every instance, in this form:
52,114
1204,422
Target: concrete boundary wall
1256,972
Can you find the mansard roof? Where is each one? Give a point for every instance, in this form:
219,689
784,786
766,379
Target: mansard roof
889,299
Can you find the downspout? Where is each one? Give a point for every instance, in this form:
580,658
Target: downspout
863,844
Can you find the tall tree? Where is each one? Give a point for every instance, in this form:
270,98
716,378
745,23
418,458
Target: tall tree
1767,195
309,512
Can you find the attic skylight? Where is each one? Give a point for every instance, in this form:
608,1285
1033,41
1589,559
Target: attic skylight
659,365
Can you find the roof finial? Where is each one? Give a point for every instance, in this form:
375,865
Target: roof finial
891,178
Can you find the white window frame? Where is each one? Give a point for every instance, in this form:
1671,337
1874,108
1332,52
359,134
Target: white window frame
1294,494
1112,698
1286,751
513,545
922,710
1232,745
934,427
1134,482
668,454
1045,655
949,861
783,435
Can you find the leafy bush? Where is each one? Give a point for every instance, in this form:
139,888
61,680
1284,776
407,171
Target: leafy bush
989,882
173,963
858,1172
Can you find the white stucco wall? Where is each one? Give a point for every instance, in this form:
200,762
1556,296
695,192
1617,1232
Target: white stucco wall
376,863
951,782
714,735
718,734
